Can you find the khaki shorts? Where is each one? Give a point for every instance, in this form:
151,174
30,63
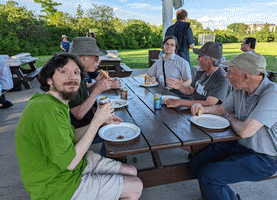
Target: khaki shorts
100,179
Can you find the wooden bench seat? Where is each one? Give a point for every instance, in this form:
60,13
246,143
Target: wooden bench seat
125,68
30,76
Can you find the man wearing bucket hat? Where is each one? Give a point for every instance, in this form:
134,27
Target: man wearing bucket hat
65,44
83,107
210,87
252,111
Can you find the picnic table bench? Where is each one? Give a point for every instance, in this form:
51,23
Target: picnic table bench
24,76
112,63
160,130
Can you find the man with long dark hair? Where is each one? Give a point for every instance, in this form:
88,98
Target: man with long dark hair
54,160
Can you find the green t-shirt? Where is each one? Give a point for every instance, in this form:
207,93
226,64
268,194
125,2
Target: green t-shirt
45,146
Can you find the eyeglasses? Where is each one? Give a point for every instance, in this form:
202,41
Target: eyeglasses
172,45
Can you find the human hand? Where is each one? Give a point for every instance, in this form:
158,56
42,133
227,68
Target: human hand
114,120
101,76
172,103
104,113
174,83
104,85
197,109
153,79
116,84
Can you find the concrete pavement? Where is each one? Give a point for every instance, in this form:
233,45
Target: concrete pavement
11,186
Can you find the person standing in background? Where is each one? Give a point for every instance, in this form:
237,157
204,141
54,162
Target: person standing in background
65,44
182,31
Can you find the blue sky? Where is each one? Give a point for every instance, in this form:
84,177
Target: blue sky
213,14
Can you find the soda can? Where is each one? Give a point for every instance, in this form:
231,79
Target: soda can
123,93
158,101
103,100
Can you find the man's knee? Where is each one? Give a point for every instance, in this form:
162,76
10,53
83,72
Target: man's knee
132,188
128,170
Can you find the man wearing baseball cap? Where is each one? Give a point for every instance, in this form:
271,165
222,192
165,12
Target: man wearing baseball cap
209,87
65,44
252,111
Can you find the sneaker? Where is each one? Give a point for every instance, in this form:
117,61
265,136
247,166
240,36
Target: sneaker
6,105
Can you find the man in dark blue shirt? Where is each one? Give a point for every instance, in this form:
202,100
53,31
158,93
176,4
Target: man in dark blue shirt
65,45
182,31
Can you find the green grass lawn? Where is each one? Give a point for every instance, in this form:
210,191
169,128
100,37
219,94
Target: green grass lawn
139,58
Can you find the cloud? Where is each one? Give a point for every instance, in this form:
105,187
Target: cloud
123,1
272,4
212,19
144,6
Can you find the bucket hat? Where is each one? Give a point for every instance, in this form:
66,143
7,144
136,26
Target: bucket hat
86,46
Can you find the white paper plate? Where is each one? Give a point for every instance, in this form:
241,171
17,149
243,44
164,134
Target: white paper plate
210,121
164,97
113,132
119,103
149,85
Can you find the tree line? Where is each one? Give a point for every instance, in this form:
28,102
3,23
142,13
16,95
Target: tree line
24,31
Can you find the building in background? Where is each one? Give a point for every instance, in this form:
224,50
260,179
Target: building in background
257,27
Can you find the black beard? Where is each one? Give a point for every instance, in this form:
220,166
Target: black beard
66,95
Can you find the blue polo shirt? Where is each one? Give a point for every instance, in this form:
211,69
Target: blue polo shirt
66,45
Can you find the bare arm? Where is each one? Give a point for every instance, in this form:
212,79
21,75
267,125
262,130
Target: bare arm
215,109
62,48
95,89
79,132
80,111
179,84
85,140
244,129
189,103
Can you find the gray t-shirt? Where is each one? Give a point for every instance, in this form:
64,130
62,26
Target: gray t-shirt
261,106
215,85
174,67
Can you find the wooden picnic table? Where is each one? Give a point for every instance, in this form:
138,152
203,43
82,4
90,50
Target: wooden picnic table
24,75
112,63
160,130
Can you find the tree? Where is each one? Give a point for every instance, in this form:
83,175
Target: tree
240,30
264,35
48,7
59,19
101,13
80,12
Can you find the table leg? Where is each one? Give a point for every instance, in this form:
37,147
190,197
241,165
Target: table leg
156,159
20,75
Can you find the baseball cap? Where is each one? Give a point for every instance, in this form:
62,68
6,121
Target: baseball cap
213,49
86,46
250,62
64,36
